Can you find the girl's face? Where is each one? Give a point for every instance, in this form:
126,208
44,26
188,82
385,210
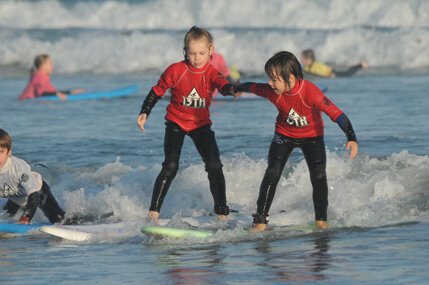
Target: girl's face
199,52
4,154
279,85
47,66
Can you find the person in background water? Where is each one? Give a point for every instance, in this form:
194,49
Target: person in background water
40,83
192,83
299,124
23,188
219,63
318,68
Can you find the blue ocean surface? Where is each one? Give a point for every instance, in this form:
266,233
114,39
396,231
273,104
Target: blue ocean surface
96,159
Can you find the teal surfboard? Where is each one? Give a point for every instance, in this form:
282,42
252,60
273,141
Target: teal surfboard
16,228
175,233
94,95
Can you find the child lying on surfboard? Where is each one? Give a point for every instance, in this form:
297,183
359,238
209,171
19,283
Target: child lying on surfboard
40,83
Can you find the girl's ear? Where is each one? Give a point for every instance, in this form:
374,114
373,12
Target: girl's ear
9,153
211,49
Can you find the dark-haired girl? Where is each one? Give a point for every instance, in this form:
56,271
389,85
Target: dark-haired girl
299,124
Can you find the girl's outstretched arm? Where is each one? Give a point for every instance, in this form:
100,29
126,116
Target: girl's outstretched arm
148,104
345,124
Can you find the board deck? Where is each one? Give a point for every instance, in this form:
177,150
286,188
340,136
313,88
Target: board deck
188,233
17,228
94,95
84,232
175,233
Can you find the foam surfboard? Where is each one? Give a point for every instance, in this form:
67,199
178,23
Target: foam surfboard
94,95
17,228
84,232
175,233
188,233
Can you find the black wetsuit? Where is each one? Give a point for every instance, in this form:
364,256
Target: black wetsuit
205,142
42,199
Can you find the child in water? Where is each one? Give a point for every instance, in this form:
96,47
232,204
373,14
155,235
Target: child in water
23,188
299,124
40,83
308,60
192,82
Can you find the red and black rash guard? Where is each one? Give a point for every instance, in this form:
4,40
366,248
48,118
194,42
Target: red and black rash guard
300,112
191,91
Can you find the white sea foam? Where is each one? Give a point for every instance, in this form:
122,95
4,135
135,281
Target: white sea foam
367,191
120,36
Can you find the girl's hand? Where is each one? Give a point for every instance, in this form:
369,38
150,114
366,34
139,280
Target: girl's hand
353,146
141,120
62,96
77,91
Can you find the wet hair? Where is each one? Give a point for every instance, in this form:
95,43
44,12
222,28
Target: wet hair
196,33
284,64
309,53
5,140
38,61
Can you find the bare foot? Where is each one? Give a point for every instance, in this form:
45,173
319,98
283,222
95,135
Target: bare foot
257,228
220,217
153,216
364,64
321,224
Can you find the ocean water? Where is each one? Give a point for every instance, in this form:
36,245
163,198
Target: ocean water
97,160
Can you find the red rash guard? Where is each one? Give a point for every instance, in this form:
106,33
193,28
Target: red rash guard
300,113
39,84
191,91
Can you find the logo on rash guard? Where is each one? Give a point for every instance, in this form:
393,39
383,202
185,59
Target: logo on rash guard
294,119
7,191
194,100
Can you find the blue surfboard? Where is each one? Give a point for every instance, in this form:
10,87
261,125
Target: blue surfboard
17,229
94,95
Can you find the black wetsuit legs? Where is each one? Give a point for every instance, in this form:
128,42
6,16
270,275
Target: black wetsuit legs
205,142
315,156
47,203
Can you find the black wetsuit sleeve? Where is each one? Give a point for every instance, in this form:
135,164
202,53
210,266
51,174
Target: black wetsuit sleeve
31,207
54,93
243,87
345,124
226,90
149,103
49,94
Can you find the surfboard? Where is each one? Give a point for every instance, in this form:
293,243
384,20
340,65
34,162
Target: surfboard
17,228
84,232
241,233
175,233
94,95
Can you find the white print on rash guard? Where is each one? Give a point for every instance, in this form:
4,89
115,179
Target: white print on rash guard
294,119
194,100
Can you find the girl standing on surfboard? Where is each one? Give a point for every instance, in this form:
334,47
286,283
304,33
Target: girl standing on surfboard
192,82
299,124
40,83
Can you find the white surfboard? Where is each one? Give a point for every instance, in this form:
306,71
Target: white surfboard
85,232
